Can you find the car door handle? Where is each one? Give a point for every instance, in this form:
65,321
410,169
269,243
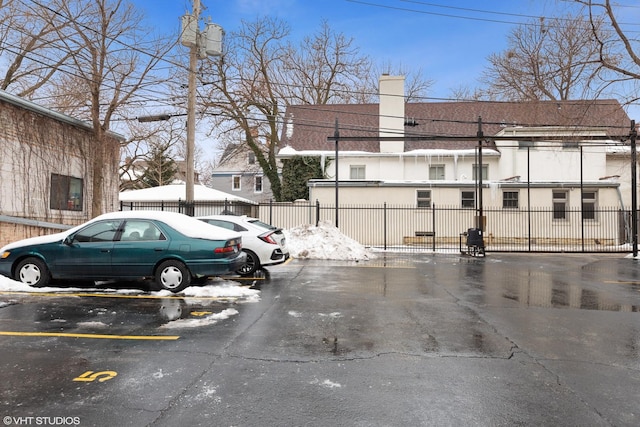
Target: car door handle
105,250
158,249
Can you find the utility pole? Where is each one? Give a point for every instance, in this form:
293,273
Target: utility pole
191,111
201,45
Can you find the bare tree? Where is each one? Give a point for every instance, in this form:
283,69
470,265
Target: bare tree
416,86
142,137
554,59
618,49
262,72
112,61
30,45
325,68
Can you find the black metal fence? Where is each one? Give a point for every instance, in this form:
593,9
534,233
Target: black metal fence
438,228
197,208
442,228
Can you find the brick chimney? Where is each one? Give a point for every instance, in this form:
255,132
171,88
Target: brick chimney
391,112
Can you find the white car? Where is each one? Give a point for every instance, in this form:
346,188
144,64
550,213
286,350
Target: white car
264,244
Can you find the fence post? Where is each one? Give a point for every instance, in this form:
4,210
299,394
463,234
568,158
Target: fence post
317,212
433,228
384,227
270,211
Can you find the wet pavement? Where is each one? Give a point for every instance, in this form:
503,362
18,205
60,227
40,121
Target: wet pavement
422,339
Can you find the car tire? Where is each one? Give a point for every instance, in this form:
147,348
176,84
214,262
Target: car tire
33,271
252,264
173,276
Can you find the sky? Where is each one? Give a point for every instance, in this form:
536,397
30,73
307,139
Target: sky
447,41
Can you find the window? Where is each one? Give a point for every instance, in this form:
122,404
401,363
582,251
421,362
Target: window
485,172
226,224
423,198
252,158
236,183
436,172
103,231
65,193
257,184
560,204
135,230
469,199
589,199
356,172
510,200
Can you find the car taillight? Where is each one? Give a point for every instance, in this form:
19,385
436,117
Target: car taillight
230,246
268,237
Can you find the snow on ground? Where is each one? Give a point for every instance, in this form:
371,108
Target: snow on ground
324,242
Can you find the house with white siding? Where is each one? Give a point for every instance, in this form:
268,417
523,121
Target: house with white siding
421,153
506,156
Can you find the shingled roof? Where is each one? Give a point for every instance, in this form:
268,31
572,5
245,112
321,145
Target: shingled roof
307,127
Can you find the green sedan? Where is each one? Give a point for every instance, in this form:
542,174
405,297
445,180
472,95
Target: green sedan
174,249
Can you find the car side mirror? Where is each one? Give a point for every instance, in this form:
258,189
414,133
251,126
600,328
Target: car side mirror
68,240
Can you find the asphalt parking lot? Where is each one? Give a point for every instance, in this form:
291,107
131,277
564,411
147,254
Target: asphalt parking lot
400,340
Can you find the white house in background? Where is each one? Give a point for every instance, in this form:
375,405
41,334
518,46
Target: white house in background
538,154
208,201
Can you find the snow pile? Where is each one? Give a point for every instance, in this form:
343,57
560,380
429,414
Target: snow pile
324,242
211,319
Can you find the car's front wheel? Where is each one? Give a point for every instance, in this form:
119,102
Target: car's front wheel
173,276
33,271
249,267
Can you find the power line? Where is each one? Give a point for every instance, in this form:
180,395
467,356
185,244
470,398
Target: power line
533,18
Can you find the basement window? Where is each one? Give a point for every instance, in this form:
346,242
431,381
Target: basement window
589,204
423,198
510,200
468,199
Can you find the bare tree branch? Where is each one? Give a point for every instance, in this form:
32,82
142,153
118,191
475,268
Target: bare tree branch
553,59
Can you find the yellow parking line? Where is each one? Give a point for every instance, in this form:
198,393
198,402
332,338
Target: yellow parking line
98,336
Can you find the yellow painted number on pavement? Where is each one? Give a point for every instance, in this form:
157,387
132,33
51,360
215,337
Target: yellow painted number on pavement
101,376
